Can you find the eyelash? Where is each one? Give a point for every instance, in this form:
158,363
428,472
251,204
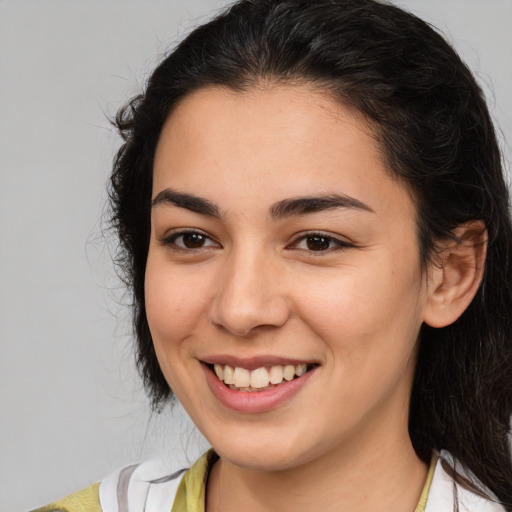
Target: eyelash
171,239
337,245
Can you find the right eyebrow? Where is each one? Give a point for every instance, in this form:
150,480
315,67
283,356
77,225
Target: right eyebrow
189,202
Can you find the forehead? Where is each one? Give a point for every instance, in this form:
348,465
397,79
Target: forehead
267,114
265,144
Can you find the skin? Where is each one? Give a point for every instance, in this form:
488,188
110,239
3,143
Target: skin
255,288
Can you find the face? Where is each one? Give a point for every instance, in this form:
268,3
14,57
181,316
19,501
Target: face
284,260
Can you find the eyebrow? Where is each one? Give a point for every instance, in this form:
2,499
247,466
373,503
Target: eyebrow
188,201
305,205
281,209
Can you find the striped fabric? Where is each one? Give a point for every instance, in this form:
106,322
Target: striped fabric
141,488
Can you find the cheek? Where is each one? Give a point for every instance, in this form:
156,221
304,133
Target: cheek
369,324
174,302
356,308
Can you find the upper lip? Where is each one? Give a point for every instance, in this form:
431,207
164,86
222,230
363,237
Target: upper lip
251,363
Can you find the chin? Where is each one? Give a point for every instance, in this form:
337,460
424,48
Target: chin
266,452
260,459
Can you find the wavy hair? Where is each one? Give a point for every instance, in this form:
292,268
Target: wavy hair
437,137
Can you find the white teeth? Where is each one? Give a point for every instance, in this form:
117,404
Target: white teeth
242,378
228,375
300,369
219,371
259,378
289,372
276,375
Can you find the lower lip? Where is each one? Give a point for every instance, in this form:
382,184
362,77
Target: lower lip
255,401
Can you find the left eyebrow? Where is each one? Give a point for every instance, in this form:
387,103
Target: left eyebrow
306,205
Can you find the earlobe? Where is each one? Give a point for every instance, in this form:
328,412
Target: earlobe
456,274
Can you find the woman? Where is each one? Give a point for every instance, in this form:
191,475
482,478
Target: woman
315,225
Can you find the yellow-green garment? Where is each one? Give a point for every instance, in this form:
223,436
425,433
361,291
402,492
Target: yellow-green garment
437,494
189,497
86,500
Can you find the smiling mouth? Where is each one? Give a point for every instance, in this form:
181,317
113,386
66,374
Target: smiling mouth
259,379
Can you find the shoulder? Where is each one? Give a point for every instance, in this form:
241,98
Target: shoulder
148,486
86,500
151,485
156,486
444,492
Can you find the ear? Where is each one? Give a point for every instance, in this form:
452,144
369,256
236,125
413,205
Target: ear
455,274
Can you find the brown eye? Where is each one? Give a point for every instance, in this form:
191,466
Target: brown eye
193,240
189,240
318,243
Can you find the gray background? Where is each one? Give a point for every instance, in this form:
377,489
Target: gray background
71,406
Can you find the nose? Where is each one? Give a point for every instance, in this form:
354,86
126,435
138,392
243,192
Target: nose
250,295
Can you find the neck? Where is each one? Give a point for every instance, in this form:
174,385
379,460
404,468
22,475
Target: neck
385,476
